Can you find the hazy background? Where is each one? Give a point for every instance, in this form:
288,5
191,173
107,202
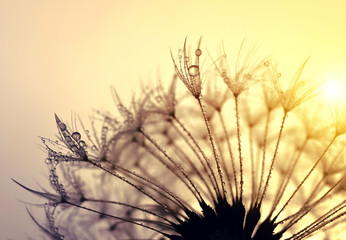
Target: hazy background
63,56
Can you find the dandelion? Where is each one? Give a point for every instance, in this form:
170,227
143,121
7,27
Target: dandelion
166,168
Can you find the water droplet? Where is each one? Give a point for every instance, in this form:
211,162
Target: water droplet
198,52
48,161
266,63
68,139
74,148
193,70
82,144
76,136
279,74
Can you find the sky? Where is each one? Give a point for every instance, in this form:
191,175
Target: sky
63,57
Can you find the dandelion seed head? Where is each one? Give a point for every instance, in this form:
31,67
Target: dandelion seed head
205,166
294,92
188,72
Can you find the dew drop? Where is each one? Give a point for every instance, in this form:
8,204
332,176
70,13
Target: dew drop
82,144
279,74
266,63
193,70
68,139
48,161
198,52
76,136
74,148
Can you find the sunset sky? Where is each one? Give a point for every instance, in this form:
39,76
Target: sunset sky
63,56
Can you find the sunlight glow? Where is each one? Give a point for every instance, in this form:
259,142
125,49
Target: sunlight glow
334,90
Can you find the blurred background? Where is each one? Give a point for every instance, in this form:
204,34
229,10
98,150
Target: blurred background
63,56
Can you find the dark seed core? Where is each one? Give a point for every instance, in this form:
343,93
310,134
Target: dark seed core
225,222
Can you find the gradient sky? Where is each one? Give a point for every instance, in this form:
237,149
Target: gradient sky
63,56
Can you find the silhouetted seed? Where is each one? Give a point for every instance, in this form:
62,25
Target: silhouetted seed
193,70
76,136
62,126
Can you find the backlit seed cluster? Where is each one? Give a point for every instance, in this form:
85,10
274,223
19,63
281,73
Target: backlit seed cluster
230,149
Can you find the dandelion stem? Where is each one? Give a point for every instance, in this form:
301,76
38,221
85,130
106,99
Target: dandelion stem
231,156
172,170
239,146
305,210
185,158
306,177
133,185
152,184
115,217
196,191
252,165
284,183
212,177
321,221
211,140
274,157
265,136
196,153
129,206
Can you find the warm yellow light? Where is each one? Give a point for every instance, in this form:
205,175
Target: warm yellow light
334,90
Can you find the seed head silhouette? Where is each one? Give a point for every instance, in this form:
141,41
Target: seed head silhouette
245,153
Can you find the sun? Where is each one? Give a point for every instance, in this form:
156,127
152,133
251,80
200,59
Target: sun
334,90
